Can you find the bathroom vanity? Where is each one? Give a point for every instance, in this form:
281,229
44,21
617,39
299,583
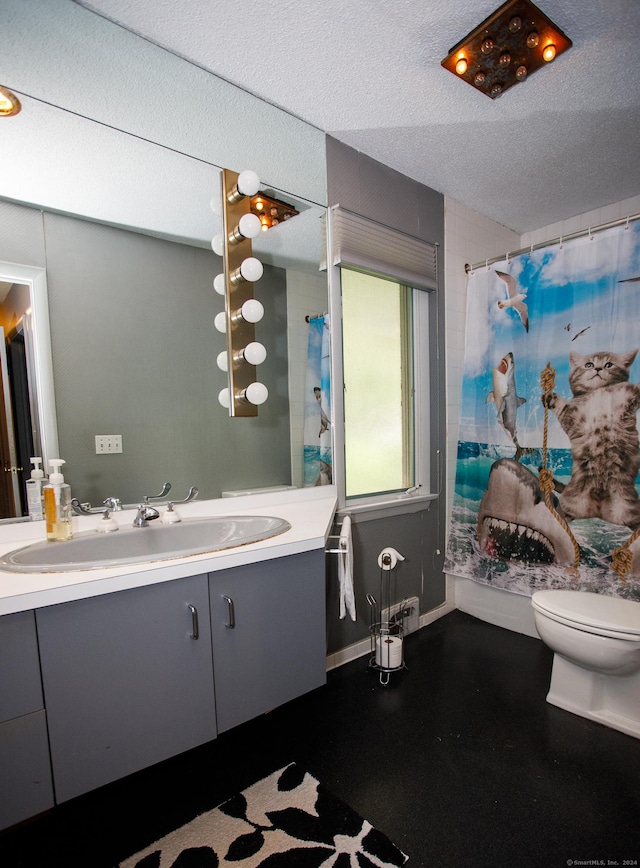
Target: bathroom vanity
105,672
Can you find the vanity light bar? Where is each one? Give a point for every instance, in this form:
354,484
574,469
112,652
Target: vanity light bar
240,271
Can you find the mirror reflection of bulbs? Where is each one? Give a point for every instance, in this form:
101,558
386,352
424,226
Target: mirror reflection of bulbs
247,184
248,227
215,204
220,322
217,245
251,311
219,284
255,393
250,270
223,397
254,353
222,361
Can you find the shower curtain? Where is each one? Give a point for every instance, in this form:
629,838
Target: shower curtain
546,492
317,405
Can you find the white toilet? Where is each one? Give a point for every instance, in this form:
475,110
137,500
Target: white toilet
596,663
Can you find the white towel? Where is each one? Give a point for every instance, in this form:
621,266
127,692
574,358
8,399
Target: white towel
345,570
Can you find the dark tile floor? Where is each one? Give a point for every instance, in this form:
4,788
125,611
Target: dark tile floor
459,760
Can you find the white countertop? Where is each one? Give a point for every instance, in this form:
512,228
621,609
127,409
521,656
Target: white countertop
309,511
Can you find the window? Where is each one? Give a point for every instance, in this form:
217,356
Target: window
384,317
378,384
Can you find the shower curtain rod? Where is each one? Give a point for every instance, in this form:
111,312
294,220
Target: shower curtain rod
487,262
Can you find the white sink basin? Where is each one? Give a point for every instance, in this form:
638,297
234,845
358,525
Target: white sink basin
135,545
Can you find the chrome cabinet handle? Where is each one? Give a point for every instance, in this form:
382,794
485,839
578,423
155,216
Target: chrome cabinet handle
232,614
195,631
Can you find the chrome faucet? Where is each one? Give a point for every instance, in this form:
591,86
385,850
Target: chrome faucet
144,515
147,513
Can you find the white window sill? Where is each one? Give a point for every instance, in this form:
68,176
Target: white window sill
400,505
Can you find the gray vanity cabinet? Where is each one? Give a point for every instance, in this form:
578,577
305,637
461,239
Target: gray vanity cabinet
128,681
25,772
269,634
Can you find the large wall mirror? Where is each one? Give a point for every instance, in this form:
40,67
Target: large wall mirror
112,259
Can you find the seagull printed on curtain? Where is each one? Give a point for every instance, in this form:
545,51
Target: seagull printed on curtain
515,299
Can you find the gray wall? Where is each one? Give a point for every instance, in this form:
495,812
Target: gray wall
366,187
134,353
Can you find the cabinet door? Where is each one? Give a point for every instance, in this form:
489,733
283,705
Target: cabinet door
25,770
268,633
20,685
126,682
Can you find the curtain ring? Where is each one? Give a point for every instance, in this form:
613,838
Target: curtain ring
486,262
508,258
590,235
531,251
561,244
626,225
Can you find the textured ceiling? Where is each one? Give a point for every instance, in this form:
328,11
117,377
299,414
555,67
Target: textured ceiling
368,73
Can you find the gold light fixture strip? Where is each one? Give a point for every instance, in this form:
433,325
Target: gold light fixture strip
508,47
239,331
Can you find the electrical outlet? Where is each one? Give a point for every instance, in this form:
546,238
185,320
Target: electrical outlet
108,443
407,615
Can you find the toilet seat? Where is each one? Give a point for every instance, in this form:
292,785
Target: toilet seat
591,613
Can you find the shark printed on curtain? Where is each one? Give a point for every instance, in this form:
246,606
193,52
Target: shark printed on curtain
547,490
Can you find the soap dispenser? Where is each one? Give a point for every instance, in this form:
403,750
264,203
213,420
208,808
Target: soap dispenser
57,504
35,498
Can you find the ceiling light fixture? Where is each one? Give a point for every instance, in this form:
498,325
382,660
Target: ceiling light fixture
9,103
506,48
271,211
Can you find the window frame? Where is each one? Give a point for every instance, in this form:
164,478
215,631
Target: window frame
424,313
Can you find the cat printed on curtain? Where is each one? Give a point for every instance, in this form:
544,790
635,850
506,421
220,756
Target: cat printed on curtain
547,487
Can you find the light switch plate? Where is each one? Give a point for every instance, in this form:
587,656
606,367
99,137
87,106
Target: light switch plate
108,443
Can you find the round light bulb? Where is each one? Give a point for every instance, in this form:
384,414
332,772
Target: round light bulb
220,322
252,310
251,269
521,73
217,245
515,24
533,39
222,361
256,393
258,205
249,225
248,183
496,89
487,46
549,52
479,78
505,58
219,284
254,353
461,66
223,397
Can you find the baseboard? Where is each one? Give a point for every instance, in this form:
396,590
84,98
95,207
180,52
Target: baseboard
362,648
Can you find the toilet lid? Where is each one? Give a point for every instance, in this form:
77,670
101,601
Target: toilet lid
591,610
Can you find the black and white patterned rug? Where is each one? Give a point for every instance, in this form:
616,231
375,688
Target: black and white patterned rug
286,820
